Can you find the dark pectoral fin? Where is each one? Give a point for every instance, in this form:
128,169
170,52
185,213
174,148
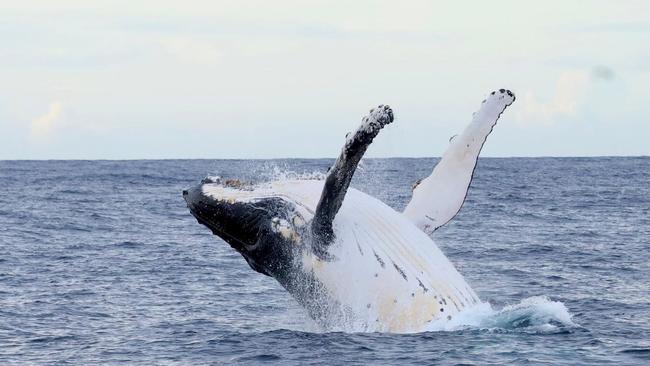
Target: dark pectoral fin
339,176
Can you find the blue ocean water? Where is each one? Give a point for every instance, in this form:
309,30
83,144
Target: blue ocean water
101,263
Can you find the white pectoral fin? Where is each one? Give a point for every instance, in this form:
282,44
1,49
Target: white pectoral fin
439,197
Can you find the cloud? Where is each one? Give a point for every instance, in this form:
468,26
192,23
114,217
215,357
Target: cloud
42,126
570,90
602,73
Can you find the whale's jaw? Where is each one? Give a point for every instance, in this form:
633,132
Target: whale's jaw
234,222
249,225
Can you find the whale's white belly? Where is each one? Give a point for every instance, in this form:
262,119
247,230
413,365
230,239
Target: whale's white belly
386,271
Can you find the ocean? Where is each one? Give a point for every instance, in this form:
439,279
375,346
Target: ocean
102,263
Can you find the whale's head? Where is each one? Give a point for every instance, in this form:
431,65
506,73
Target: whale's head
264,228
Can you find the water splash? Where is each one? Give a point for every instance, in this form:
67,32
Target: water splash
537,314
534,315
268,172
275,172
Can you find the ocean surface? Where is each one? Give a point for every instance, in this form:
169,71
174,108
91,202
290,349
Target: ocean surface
102,263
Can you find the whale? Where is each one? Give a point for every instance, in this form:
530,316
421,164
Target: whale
350,260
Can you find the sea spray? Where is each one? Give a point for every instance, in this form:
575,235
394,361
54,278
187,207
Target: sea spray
535,314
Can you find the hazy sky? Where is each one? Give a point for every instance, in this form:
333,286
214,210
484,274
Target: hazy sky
264,79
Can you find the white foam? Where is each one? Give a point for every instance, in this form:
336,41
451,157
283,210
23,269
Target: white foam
535,314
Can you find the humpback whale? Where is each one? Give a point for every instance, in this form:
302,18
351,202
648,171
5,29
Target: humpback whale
350,260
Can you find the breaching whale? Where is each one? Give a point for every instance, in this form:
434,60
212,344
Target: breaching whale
350,260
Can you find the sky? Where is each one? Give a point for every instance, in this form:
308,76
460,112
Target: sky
275,79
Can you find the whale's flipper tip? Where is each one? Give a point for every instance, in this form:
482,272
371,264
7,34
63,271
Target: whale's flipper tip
502,96
374,121
492,107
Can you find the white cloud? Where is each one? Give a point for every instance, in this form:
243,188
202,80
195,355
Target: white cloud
259,69
570,90
42,126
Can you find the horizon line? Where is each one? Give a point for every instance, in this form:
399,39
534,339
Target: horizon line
332,158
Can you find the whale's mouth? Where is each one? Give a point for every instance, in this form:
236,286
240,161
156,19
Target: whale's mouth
235,222
249,220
